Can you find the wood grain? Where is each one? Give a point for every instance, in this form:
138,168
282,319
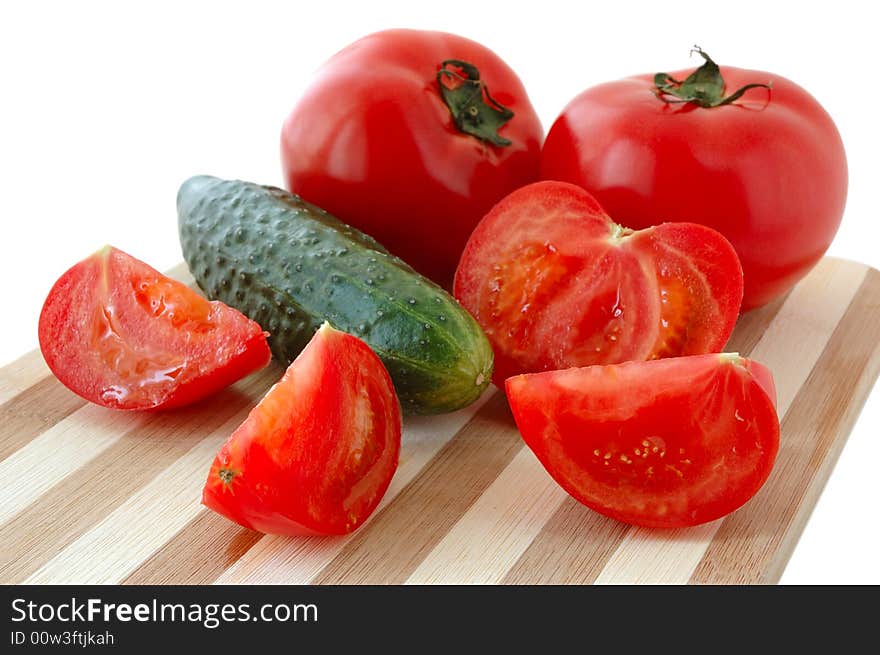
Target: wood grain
109,497
388,549
756,542
22,373
71,507
198,554
680,551
33,411
569,550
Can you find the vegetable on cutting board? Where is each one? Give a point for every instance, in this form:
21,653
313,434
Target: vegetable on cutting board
290,266
317,453
411,136
665,443
123,335
748,153
556,283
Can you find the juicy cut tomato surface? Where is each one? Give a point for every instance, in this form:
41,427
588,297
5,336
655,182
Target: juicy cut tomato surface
411,136
121,334
665,443
764,166
556,283
317,453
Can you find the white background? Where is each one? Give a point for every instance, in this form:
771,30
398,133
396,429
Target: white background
106,107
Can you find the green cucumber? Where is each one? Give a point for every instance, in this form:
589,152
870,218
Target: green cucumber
290,265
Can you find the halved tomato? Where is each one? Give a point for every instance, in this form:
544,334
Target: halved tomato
665,443
120,334
316,455
554,283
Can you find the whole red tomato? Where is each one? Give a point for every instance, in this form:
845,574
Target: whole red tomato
763,166
400,137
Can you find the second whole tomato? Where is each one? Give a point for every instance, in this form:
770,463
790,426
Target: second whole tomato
411,136
764,166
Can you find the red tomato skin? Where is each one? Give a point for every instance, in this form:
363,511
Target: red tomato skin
372,142
318,452
206,345
770,176
523,276
662,444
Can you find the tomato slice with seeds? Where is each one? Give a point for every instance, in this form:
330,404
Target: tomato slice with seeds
665,443
555,283
318,452
123,335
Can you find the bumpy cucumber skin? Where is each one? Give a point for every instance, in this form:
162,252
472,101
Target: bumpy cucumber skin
290,265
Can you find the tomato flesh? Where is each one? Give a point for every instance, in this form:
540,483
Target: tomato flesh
316,455
665,443
120,334
555,283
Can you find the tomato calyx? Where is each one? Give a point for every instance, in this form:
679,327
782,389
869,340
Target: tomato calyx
473,110
704,87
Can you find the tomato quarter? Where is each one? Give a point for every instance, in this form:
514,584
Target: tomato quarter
765,167
666,443
120,334
411,136
555,283
316,455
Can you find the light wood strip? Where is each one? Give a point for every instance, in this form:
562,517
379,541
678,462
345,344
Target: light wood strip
486,542
648,556
808,318
22,373
579,557
807,325
750,327
280,560
137,528
60,451
390,547
755,543
85,434
34,410
200,551
79,501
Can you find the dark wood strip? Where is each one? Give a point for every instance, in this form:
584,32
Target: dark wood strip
197,555
393,544
754,543
572,548
79,501
33,411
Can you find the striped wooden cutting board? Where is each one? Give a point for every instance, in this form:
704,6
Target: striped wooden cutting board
97,496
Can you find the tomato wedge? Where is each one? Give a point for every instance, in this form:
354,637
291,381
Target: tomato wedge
665,443
555,283
123,335
316,455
